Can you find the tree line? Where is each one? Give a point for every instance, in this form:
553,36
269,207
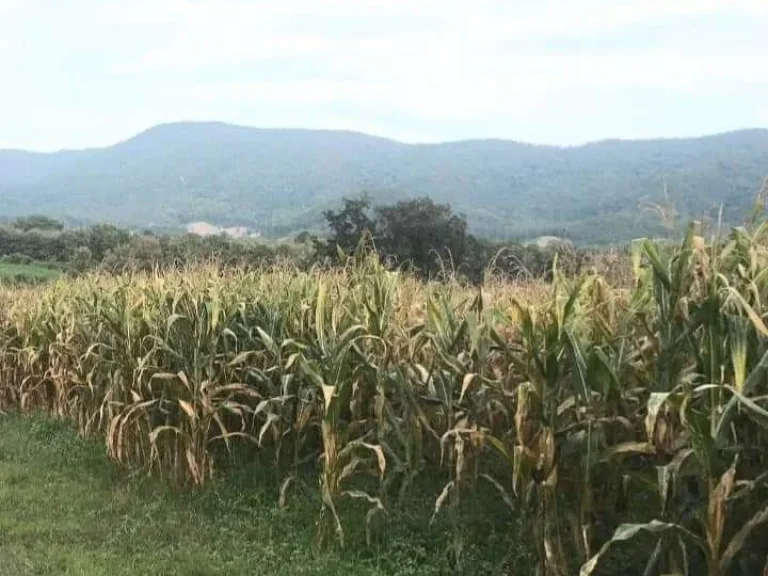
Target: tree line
419,235
430,240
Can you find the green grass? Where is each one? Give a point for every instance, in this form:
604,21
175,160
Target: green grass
9,271
65,510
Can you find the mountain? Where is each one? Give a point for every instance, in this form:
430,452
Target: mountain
280,181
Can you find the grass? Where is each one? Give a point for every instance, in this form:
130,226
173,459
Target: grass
11,271
66,510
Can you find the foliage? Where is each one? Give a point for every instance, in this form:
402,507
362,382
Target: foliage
23,271
16,258
281,181
114,249
429,239
421,232
347,227
605,414
37,223
66,511
416,234
53,243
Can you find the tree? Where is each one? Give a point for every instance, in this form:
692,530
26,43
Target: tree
415,234
105,238
422,235
347,226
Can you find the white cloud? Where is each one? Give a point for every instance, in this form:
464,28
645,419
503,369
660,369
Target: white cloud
446,98
457,65
235,46
432,65
202,34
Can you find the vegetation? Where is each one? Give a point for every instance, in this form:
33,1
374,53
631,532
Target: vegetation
417,234
43,252
626,424
26,272
281,181
67,511
430,240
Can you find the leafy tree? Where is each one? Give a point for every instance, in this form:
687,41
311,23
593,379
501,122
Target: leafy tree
429,239
423,235
415,234
104,238
347,226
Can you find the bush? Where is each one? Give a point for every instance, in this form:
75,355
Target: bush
16,258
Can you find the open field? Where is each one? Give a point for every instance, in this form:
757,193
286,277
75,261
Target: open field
33,272
594,418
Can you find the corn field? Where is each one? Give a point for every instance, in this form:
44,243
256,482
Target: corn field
602,413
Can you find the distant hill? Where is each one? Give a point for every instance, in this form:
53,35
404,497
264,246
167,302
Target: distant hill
280,181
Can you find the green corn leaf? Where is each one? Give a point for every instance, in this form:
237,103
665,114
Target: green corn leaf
627,532
737,332
755,377
659,270
755,412
636,249
581,366
755,318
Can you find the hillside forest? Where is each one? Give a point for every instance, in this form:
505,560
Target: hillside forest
278,183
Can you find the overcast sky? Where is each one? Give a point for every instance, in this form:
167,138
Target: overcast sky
76,73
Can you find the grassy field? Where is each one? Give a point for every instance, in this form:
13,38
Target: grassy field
66,510
33,272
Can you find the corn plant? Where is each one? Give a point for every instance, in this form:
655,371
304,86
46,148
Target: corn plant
707,329
570,399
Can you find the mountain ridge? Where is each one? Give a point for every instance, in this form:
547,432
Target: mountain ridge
210,123
280,180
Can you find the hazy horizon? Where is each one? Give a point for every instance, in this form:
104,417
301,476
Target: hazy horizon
87,73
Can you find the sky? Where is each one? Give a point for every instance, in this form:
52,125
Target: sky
84,73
